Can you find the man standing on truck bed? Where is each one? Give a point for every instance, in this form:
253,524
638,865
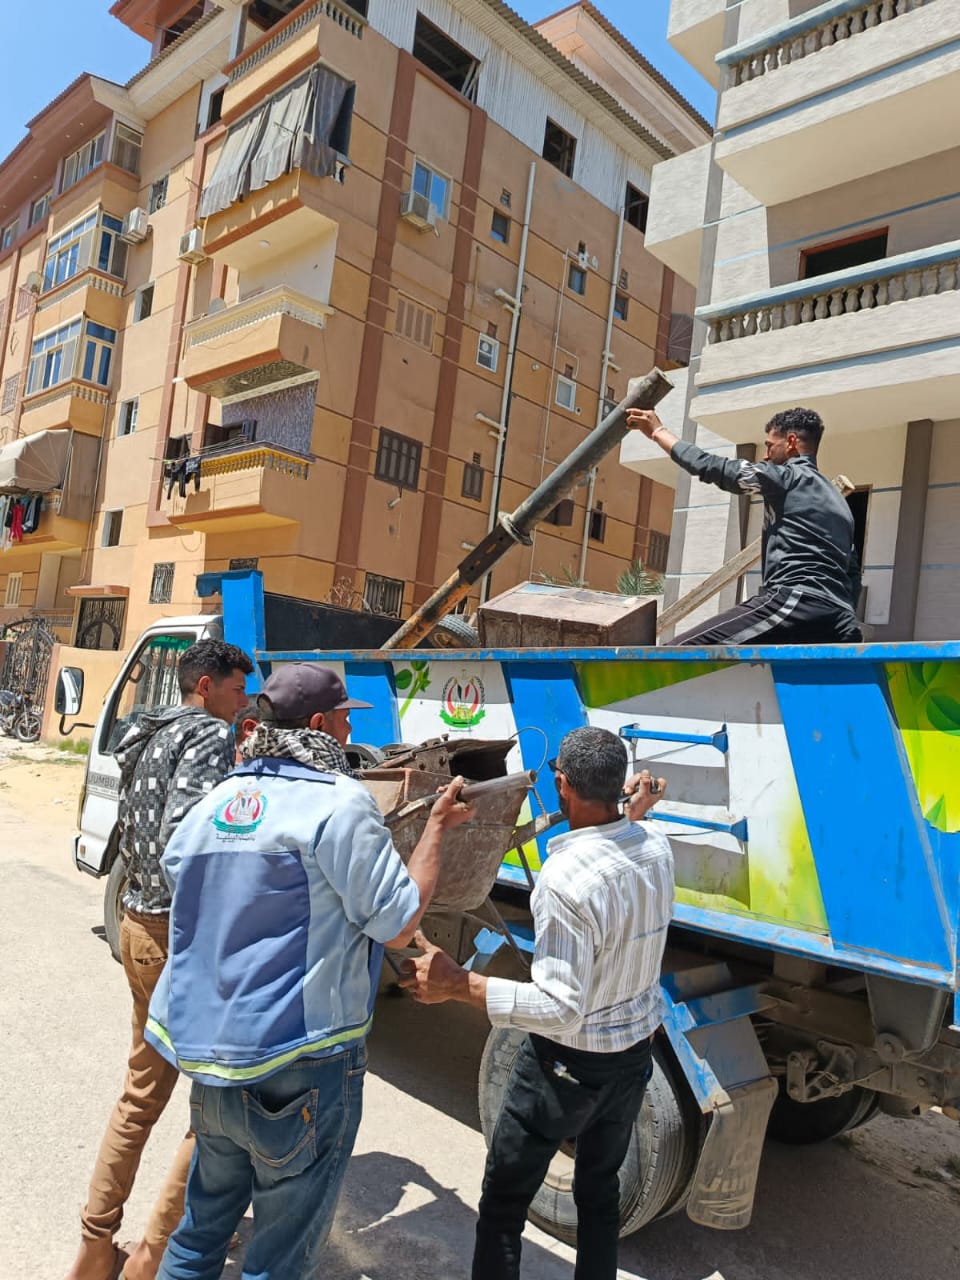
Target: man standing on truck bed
810,573
267,998
168,761
601,908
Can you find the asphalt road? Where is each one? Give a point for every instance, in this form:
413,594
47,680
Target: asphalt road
884,1205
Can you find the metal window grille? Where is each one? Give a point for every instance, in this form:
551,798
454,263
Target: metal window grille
472,480
100,622
158,194
10,388
658,546
415,323
398,460
244,562
14,586
161,587
383,595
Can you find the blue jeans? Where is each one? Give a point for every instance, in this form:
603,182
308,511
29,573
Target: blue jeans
283,1144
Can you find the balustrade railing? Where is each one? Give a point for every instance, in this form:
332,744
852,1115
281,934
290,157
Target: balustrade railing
290,28
818,29
879,284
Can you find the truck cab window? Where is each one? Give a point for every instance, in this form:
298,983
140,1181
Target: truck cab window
150,685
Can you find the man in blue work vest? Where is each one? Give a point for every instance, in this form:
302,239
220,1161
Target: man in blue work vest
267,997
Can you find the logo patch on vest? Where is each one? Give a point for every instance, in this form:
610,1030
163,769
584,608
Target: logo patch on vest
243,812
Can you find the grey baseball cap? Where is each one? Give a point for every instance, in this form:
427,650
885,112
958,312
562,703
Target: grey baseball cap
298,690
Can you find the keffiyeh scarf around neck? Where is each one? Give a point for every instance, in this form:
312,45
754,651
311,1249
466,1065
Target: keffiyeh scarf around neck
312,747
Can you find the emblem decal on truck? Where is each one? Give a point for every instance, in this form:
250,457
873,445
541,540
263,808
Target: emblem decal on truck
463,702
243,812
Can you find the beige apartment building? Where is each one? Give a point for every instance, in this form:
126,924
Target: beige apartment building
820,226
320,289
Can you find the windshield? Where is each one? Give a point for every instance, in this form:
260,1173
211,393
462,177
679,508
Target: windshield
150,685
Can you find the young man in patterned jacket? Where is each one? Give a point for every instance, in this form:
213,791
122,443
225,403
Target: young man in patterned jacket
168,761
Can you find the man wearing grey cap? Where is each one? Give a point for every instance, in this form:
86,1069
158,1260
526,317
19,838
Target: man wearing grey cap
286,888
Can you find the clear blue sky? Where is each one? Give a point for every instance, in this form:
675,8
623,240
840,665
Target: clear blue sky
47,43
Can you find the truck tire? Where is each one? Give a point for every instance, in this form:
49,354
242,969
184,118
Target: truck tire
659,1164
113,892
803,1123
362,755
453,632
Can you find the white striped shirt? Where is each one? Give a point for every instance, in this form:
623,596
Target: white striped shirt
601,908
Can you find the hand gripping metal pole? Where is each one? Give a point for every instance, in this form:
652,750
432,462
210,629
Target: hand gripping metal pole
642,393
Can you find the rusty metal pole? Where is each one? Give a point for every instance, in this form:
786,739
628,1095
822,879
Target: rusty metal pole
642,393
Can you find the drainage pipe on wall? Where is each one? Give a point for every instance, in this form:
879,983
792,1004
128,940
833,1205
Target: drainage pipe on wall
605,364
515,306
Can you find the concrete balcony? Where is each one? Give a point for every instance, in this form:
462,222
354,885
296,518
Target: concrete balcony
269,340
96,294
678,196
867,347
257,487
851,88
77,404
695,29
287,48
291,213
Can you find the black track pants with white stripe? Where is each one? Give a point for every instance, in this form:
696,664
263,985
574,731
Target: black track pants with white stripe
784,615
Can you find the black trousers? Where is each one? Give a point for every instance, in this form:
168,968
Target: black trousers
784,615
555,1093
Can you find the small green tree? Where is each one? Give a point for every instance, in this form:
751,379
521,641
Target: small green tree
638,581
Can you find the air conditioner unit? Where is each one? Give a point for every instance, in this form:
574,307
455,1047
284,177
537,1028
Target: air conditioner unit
33,282
136,227
191,246
418,211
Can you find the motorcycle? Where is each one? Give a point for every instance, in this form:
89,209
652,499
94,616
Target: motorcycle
19,717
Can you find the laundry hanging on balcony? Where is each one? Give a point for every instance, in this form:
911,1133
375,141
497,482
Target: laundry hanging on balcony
305,126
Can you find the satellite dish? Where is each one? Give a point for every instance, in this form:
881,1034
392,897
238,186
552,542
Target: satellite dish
216,304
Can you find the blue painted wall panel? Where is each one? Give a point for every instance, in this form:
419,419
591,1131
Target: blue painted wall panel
869,839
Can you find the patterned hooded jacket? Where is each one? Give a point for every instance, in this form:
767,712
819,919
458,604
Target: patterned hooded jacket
168,761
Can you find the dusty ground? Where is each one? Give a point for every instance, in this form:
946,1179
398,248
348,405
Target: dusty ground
883,1204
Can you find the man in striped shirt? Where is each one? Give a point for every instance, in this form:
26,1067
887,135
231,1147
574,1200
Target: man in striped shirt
601,908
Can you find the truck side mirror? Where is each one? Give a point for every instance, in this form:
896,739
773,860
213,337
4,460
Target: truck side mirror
69,693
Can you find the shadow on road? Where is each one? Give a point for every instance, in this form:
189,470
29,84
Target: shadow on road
396,1222
408,1040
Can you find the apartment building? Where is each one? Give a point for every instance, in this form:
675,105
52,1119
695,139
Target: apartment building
322,288
820,228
